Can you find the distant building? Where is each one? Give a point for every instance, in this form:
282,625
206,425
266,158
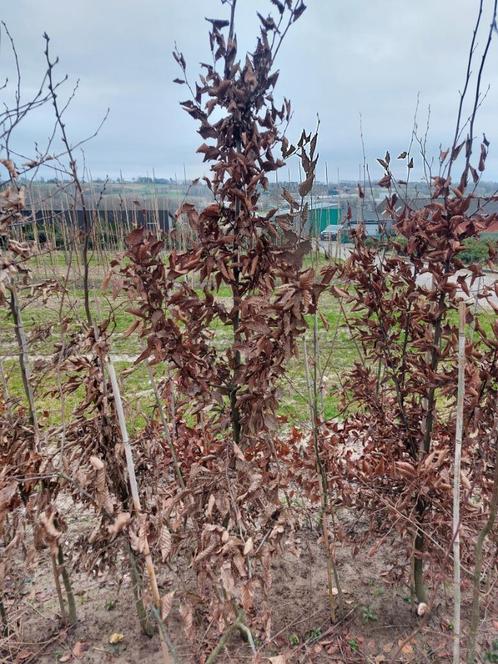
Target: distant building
322,215
343,216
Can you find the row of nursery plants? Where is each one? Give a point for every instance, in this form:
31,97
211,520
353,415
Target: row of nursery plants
210,491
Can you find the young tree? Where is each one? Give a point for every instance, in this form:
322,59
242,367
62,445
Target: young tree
228,396
406,298
256,255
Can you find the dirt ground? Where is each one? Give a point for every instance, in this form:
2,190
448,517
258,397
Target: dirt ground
374,626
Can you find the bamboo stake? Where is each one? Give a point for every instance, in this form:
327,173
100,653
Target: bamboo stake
456,486
132,480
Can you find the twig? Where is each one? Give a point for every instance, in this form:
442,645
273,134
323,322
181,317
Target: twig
167,433
74,172
238,625
466,85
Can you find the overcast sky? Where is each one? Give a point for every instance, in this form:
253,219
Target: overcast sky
343,58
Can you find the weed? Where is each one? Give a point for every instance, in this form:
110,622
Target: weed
313,634
368,614
354,645
492,654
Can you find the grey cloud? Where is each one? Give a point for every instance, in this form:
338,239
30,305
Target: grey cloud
341,59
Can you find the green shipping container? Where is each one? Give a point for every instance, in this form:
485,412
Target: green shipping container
320,218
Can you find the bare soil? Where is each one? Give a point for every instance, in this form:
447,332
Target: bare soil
377,619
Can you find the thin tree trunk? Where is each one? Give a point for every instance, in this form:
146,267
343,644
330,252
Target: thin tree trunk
418,563
58,588
71,603
24,364
3,378
424,449
26,378
235,415
3,616
488,527
137,586
331,568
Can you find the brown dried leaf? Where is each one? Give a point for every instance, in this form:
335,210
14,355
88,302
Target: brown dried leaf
238,452
121,521
167,604
97,463
79,648
248,546
7,492
165,542
227,578
10,166
187,616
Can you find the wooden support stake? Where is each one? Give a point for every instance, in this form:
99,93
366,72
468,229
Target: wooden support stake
132,480
456,485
